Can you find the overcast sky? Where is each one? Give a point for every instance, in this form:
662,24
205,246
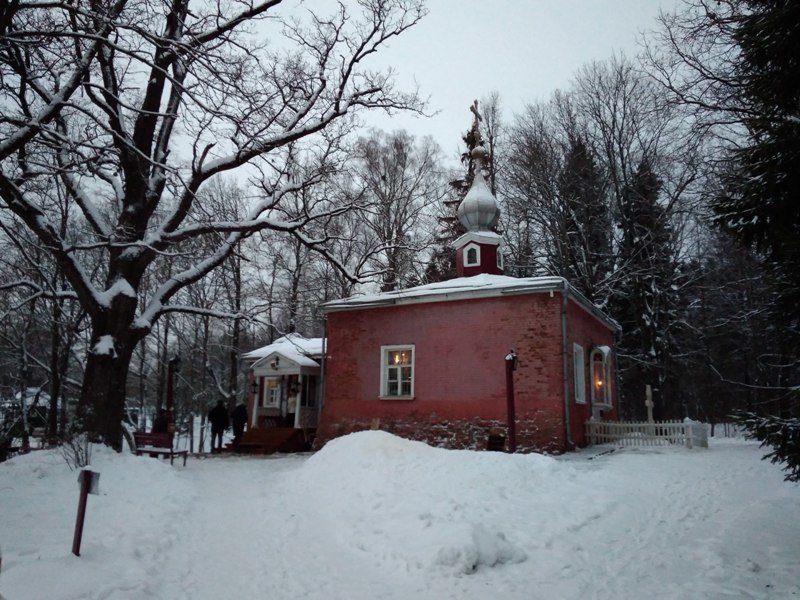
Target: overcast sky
524,49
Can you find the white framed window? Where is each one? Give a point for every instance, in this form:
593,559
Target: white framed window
500,260
272,391
397,372
600,372
472,255
579,374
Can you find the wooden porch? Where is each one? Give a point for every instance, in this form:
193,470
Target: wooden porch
273,440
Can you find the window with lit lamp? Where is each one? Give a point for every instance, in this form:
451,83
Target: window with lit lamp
397,372
600,370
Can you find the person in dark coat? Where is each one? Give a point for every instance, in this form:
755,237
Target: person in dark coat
238,420
218,417
161,422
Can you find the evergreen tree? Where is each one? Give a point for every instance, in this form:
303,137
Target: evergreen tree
584,250
442,265
783,436
760,206
645,299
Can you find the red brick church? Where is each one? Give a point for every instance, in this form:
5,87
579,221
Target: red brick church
428,363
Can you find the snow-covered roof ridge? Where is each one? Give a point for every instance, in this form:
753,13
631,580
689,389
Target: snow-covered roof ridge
291,345
477,286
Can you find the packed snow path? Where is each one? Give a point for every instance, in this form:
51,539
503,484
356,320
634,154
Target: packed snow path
374,516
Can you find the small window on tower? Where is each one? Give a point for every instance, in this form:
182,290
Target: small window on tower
472,257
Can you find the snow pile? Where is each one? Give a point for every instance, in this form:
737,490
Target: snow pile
415,505
133,522
372,515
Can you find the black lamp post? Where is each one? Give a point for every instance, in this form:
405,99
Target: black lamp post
174,366
23,405
511,366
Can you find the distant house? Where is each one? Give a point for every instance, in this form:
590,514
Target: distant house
428,363
37,405
285,388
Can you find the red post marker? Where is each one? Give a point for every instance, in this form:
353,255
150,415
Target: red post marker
89,483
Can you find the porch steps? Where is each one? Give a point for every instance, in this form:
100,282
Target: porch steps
272,440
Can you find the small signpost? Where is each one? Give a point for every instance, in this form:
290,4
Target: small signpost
90,484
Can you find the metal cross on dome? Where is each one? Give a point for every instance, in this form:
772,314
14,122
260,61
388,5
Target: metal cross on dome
477,118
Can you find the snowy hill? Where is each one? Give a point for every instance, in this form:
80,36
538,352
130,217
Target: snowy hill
375,516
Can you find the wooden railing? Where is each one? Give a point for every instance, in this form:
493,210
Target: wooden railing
660,433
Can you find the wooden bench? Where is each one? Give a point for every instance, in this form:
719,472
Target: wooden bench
156,444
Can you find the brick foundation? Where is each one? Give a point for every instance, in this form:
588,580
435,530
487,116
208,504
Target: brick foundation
538,434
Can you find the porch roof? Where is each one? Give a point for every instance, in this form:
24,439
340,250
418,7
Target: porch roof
293,347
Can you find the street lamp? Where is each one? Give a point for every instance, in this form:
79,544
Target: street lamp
511,366
174,366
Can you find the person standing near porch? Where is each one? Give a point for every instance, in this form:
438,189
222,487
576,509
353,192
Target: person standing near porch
161,422
238,420
218,417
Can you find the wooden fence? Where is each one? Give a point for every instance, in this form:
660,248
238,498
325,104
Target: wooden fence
660,433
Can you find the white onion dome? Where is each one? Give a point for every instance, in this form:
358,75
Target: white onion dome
478,210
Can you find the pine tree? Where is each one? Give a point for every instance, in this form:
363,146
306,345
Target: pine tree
760,206
442,265
783,436
645,299
584,250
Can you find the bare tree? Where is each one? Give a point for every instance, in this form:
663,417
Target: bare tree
38,325
135,106
558,211
397,182
694,57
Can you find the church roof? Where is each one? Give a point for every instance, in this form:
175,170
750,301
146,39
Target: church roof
462,288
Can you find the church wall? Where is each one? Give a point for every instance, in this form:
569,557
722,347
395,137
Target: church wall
584,329
460,388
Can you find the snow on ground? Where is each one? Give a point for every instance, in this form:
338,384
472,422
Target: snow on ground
374,516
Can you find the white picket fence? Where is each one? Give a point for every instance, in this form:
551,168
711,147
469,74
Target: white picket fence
660,433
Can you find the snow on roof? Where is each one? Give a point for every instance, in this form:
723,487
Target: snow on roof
292,346
477,286
32,395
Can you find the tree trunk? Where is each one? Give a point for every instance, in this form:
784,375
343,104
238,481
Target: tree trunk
55,374
102,401
233,377
63,365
